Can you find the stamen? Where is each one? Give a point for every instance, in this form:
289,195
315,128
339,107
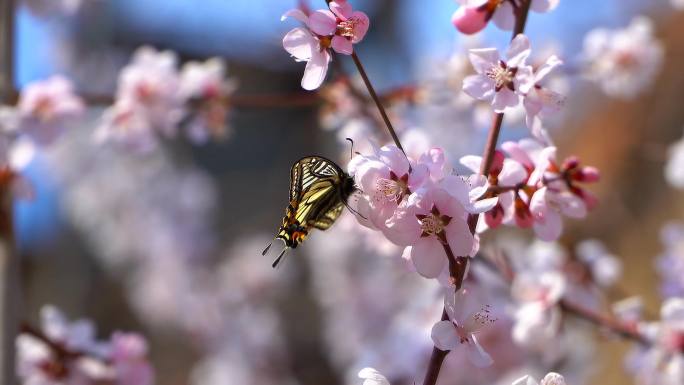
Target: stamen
502,75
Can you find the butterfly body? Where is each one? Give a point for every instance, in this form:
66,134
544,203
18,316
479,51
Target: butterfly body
319,190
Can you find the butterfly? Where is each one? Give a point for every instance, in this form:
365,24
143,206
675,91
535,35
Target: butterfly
319,190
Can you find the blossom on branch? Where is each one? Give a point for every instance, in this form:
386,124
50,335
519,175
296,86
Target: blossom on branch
466,320
67,353
623,62
501,82
337,28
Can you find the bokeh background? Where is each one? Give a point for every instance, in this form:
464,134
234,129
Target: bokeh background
169,242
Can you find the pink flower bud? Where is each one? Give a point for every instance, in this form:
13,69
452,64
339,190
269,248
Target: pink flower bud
570,163
495,216
469,20
589,199
588,174
497,163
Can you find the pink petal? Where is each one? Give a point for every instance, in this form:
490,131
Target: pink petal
459,237
472,162
300,43
505,99
428,257
323,22
518,51
551,64
469,20
395,159
298,14
444,336
550,228
315,70
512,173
361,27
341,9
342,45
479,87
503,16
524,79
477,354
402,228
483,59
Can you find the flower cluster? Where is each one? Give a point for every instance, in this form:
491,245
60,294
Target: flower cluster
506,84
336,28
534,190
67,353
153,99
419,204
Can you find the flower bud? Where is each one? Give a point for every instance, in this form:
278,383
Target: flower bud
588,174
469,20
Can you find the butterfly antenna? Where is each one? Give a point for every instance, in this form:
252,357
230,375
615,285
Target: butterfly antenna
354,211
280,257
351,150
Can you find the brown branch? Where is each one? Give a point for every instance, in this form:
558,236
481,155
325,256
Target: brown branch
436,360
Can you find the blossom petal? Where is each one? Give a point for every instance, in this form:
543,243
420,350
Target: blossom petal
444,335
323,22
483,59
315,70
479,87
477,354
459,237
428,257
298,14
341,9
505,99
300,43
551,64
503,16
361,27
342,45
518,51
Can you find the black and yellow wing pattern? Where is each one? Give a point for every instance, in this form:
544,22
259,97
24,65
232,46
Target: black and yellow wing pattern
319,190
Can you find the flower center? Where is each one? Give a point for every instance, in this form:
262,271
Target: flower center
44,109
433,223
347,28
502,75
392,189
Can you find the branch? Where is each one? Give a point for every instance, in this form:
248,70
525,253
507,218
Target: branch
437,357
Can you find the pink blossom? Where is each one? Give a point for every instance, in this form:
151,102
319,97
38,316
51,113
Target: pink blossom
624,61
540,102
432,221
464,323
337,28
204,87
473,15
385,178
345,25
502,83
46,108
126,123
548,207
151,81
537,320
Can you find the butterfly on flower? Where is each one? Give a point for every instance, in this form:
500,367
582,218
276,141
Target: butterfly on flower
319,190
